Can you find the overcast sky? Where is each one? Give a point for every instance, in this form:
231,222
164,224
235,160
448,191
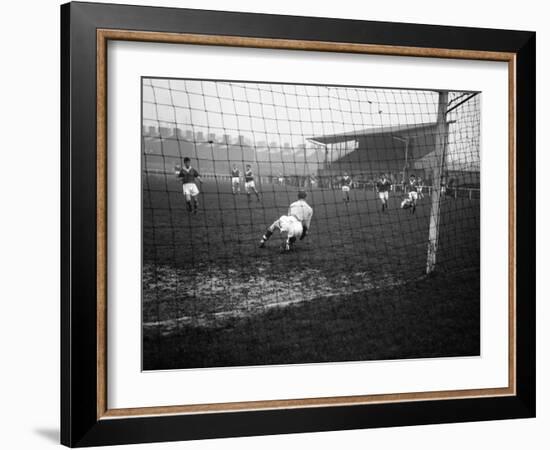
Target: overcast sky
291,113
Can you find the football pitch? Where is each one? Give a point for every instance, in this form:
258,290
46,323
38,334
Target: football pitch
353,289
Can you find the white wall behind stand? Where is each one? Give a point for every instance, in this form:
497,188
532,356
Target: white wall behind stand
29,225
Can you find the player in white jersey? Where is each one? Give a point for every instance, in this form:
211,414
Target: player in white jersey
295,224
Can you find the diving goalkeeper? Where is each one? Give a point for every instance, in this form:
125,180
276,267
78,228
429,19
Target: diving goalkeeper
295,224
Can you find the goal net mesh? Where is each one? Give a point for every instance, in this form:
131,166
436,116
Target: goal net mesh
205,268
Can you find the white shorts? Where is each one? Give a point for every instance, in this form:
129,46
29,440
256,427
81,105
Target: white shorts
290,225
383,195
190,189
235,180
345,188
413,195
250,185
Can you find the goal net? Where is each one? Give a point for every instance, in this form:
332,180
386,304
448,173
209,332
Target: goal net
392,177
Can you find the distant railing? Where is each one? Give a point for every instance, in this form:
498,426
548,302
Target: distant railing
448,191
306,181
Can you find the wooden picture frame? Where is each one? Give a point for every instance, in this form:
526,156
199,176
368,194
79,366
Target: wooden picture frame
86,418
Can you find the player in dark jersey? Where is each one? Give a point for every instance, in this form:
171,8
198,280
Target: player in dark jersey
420,187
249,184
235,180
346,186
383,187
187,175
412,189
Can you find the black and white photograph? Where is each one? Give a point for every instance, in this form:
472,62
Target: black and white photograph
275,225
298,223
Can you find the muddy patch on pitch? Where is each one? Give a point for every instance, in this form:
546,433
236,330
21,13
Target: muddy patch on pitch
208,296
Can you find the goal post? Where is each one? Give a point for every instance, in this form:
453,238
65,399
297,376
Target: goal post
441,141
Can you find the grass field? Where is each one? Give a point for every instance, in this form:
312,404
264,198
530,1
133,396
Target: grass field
354,289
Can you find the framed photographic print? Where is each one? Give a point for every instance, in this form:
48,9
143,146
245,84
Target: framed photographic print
276,224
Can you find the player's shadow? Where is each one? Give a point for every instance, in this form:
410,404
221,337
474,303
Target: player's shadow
50,434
